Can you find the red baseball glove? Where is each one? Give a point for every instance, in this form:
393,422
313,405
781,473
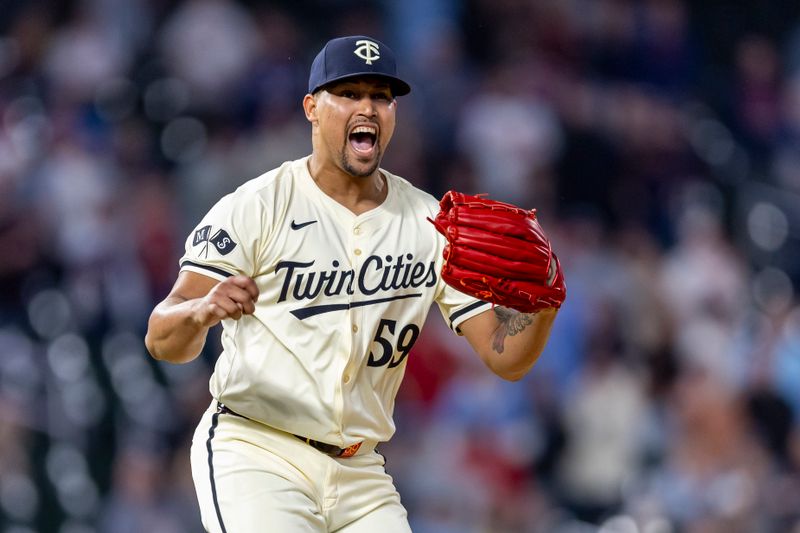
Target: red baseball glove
498,253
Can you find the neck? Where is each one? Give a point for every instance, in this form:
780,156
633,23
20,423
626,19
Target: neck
358,194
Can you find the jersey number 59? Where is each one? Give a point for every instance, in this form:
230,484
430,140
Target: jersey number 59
405,340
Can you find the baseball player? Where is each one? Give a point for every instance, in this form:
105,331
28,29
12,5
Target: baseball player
322,272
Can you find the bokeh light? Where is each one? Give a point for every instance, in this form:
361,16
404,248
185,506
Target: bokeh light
183,139
768,226
19,496
49,313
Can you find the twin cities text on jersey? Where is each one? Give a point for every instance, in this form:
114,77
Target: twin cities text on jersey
376,274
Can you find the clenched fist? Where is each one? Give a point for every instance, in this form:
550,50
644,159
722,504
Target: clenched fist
231,298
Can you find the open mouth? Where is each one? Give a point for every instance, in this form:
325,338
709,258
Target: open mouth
363,139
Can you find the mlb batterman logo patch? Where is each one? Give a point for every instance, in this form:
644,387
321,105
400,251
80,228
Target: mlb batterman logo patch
367,50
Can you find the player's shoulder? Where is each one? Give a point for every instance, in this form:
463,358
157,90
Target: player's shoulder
410,194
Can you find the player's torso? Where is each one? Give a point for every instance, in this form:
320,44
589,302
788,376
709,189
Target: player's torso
342,300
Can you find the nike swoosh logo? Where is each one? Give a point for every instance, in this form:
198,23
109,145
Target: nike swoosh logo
295,225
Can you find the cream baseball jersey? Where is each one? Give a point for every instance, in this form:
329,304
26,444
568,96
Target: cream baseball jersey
342,300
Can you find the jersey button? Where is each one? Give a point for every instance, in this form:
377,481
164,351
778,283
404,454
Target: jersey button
355,328
346,378
357,251
357,231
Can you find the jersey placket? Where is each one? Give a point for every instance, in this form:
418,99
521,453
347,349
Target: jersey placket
358,250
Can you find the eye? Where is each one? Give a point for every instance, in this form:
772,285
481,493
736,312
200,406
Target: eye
347,94
383,97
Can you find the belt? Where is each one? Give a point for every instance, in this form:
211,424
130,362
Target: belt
328,449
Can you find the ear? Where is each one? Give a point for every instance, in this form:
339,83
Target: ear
310,108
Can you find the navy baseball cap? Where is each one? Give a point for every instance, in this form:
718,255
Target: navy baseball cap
356,55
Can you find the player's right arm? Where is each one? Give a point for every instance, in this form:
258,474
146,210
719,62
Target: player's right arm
178,326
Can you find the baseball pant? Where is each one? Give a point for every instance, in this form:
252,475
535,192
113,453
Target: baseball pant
252,478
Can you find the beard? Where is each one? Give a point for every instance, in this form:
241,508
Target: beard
355,169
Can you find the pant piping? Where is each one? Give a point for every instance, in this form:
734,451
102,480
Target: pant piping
214,422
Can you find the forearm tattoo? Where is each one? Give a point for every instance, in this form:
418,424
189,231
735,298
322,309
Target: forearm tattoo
511,323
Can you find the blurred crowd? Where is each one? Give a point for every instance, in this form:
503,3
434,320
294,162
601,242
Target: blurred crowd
659,141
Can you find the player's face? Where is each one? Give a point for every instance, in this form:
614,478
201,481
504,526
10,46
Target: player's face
356,121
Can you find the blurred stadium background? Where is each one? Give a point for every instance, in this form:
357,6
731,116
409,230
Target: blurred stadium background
659,139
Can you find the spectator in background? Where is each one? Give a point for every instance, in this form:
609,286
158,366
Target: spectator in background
510,136
83,56
756,94
704,287
712,463
224,33
603,418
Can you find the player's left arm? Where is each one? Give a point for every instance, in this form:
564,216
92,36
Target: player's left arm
509,342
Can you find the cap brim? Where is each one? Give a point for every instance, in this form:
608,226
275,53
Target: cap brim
399,87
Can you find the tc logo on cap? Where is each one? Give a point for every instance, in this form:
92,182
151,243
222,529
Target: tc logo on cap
369,51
